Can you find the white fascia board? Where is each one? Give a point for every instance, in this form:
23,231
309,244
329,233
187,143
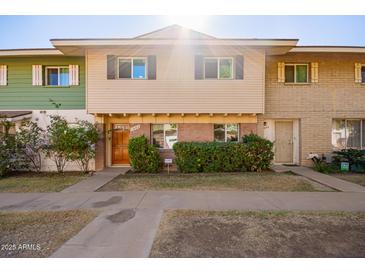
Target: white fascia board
30,52
329,49
131,42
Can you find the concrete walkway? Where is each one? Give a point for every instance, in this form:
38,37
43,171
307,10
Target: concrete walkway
96,181
128,221
321,178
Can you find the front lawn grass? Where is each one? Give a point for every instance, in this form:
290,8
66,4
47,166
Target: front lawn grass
357,178
39,182
185,233
248,181
39,234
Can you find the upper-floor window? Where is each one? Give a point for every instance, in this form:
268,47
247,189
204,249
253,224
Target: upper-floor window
164,135
57,76
296,73
132,68
363,74
218,68
348,133
226,132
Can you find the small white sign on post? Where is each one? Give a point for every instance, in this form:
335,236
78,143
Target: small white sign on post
168,162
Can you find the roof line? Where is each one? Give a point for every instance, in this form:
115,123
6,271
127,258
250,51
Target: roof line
28,49
173,25
123,39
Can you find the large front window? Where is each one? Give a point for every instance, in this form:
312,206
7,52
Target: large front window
348,133
132,68
363,74
164,135
226,132
296,73
218,68
57,76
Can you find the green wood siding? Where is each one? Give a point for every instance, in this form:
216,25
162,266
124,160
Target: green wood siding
20,94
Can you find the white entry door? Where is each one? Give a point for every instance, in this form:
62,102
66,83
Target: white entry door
284,142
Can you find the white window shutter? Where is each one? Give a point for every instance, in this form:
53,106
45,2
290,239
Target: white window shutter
314,72
3,75
357,73
73,75
37,75
281,72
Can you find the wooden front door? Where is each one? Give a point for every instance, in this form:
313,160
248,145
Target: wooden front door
284,142
120,139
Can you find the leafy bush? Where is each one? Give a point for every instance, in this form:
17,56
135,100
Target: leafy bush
355,158
30,141
10,159
60,140
259,152
320,165
143,156
254,154
83,150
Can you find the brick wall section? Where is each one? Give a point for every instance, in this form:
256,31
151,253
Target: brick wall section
336,95
247,129
195,132
141,129
100,149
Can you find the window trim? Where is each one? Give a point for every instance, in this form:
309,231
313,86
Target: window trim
361,133
58,76
362,80
295,73
132,58
218,65
225,132
164,134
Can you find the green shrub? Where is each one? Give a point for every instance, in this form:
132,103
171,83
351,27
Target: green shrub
143,156
259,152
255,154
355,158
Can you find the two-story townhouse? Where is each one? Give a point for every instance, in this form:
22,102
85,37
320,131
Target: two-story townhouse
173,85
38,83
176,84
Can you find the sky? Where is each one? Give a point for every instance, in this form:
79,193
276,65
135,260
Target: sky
35,31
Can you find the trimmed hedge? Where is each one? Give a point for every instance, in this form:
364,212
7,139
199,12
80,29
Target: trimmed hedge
144,157
253,154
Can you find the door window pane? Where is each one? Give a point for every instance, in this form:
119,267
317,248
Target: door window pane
363,74
225,68
289,74
52,76
219,133
64,81
164,135
338,134
211,68
353,133
157,135
232,133
301,74
170,135
125,68
139,69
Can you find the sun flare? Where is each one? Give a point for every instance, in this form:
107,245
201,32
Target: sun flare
188,21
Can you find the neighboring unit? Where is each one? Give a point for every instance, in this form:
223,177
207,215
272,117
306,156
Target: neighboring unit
37,83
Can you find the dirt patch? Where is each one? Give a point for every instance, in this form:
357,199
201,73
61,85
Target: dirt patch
39,234
111,201
122,216
247,181
260,234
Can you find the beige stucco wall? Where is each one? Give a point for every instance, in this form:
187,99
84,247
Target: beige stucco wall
336,95
175,90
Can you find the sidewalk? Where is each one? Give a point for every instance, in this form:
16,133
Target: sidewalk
322,178
96,181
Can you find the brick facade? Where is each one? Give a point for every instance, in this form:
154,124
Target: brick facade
336,95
